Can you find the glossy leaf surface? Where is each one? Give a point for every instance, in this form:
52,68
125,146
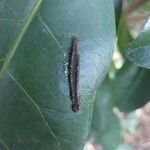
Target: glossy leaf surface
131,82
132,87
35,40
139,49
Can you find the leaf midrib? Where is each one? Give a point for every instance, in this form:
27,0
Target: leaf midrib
19,37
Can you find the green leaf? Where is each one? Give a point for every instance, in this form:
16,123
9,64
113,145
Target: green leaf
106,128
131,87
138,50
124,37
35,40
131,84
118,10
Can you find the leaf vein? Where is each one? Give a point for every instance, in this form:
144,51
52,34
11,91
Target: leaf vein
36,106
2,142
19,37
50,32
